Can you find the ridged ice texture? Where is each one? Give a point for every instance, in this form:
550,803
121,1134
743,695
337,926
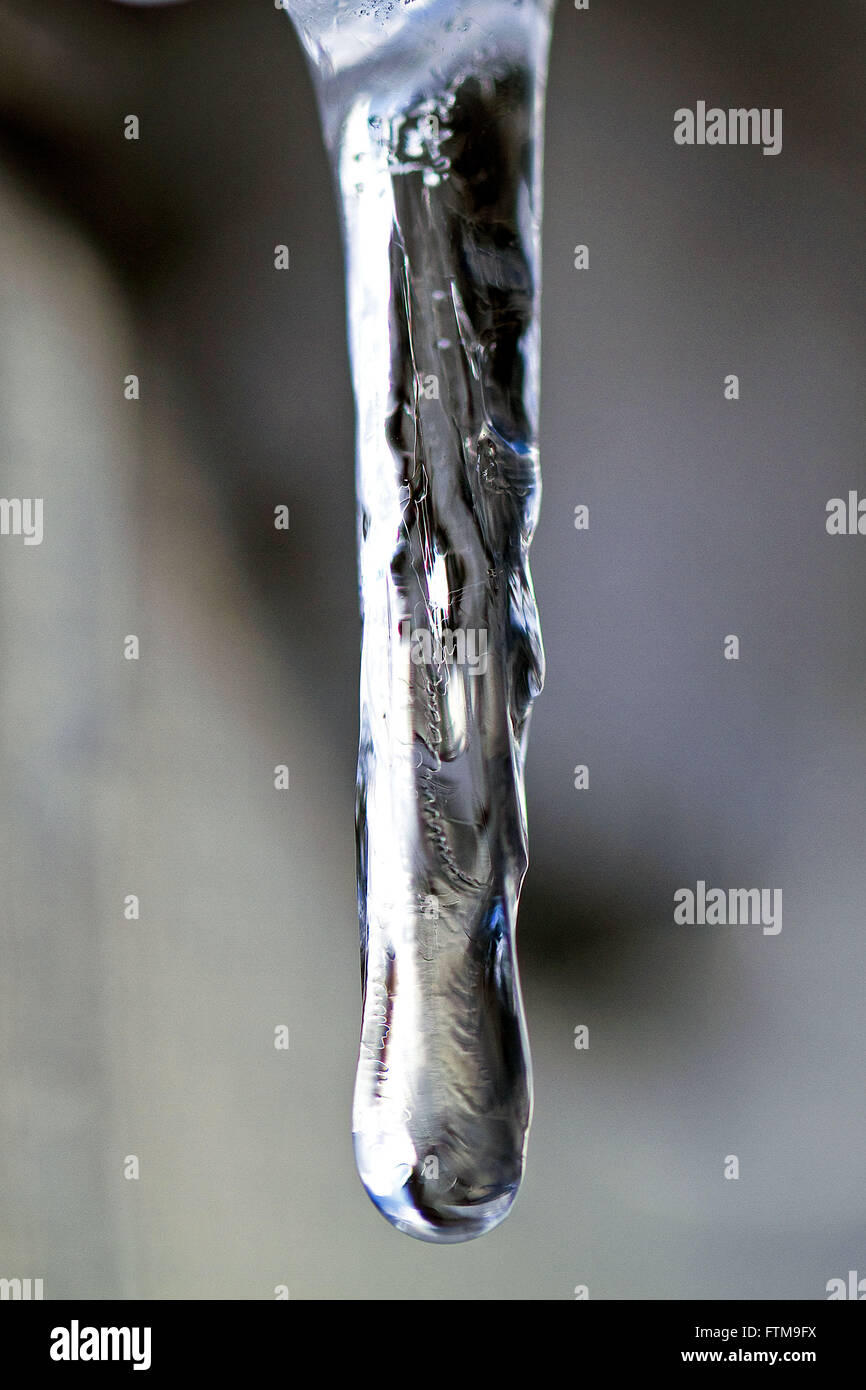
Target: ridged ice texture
433,116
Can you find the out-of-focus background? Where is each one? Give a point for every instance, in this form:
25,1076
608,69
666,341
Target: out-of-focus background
155,1037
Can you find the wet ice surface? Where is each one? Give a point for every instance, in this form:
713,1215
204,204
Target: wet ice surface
432,115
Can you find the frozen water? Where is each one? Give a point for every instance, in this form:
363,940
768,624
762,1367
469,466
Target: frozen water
432,113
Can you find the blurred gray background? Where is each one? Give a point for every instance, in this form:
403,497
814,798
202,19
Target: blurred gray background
155,1037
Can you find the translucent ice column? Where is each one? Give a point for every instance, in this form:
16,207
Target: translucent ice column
432,112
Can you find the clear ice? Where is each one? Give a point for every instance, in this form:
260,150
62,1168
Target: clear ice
432,112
